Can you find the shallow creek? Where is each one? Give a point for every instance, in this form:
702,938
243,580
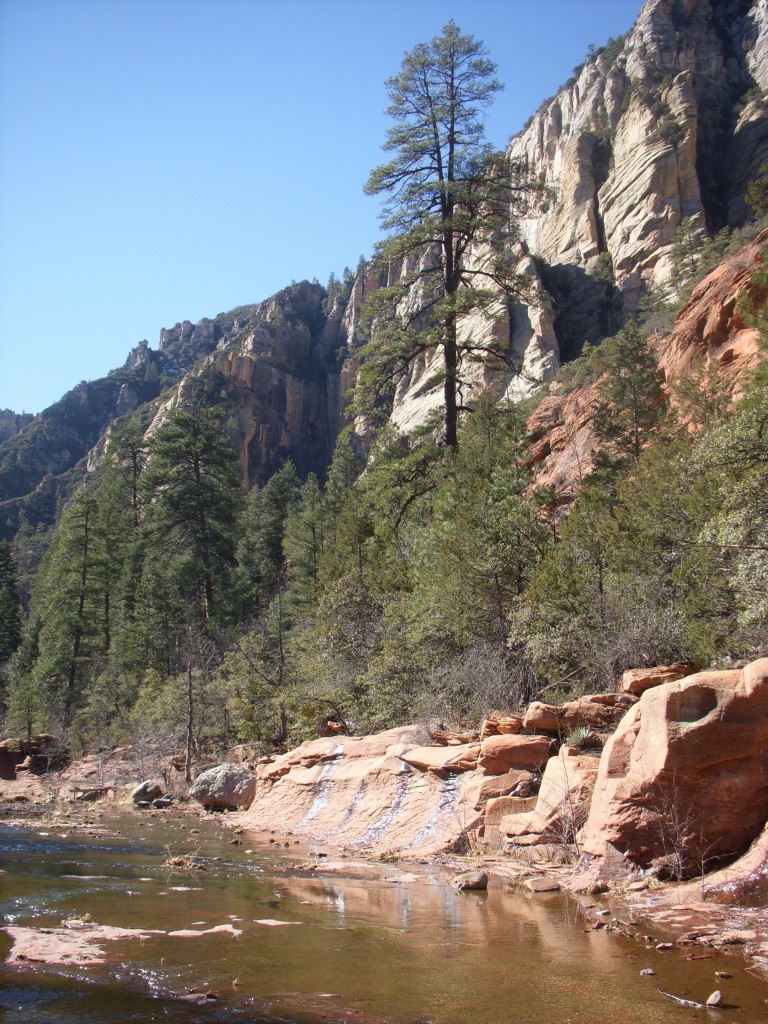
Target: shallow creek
341,941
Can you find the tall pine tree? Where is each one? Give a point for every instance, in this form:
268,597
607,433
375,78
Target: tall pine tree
450,209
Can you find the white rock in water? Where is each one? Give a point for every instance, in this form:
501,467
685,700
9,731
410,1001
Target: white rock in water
716,999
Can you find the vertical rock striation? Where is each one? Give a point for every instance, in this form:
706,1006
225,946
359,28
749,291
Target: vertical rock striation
668,123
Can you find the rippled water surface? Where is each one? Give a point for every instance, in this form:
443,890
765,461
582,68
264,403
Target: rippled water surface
392,943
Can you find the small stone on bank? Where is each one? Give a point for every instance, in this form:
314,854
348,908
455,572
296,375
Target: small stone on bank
543,884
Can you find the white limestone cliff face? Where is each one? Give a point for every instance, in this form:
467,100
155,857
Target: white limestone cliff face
524,328
661,130
670,123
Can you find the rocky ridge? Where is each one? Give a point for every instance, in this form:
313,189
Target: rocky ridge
12,423
274,369
669,122
273,366
629,141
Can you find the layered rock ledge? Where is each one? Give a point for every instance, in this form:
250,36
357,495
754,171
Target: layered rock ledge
679,789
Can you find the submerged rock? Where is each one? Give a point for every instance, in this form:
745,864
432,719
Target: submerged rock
542,884
470,881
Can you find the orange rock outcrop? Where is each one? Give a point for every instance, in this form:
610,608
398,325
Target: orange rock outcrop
709,335
682,784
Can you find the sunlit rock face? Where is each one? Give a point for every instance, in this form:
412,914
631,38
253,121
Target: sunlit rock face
273,369
682,782
668,125
709,336
387,793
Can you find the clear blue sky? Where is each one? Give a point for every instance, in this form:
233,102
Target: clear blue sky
165,160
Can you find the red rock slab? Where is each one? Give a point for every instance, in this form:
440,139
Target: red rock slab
500,810
481,789
500,753
684,775
562,804
325,750
598,712
637,680
437,759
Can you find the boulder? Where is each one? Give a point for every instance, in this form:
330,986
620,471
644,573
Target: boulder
599,712
562,804
470,881
682,784
227,787
501,725
146,792
636,681
500,753
541,717
542,884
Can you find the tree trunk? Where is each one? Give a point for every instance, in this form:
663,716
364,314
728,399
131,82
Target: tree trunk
190,725
451,422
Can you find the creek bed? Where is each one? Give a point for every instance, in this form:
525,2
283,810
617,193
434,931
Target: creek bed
320,939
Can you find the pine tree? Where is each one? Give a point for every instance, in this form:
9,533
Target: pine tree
10,605
192,496
631,395
450,209
260,547
68,599
306,533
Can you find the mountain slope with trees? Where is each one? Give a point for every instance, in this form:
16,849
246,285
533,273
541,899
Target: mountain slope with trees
236,560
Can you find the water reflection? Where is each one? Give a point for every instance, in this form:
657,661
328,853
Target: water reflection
366,942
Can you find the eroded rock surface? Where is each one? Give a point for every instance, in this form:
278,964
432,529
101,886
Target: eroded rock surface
683,782
636,681
709,336
384,793
560,809
599,712
634,143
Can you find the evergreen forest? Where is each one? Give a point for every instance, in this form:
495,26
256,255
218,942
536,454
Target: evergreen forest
423,576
